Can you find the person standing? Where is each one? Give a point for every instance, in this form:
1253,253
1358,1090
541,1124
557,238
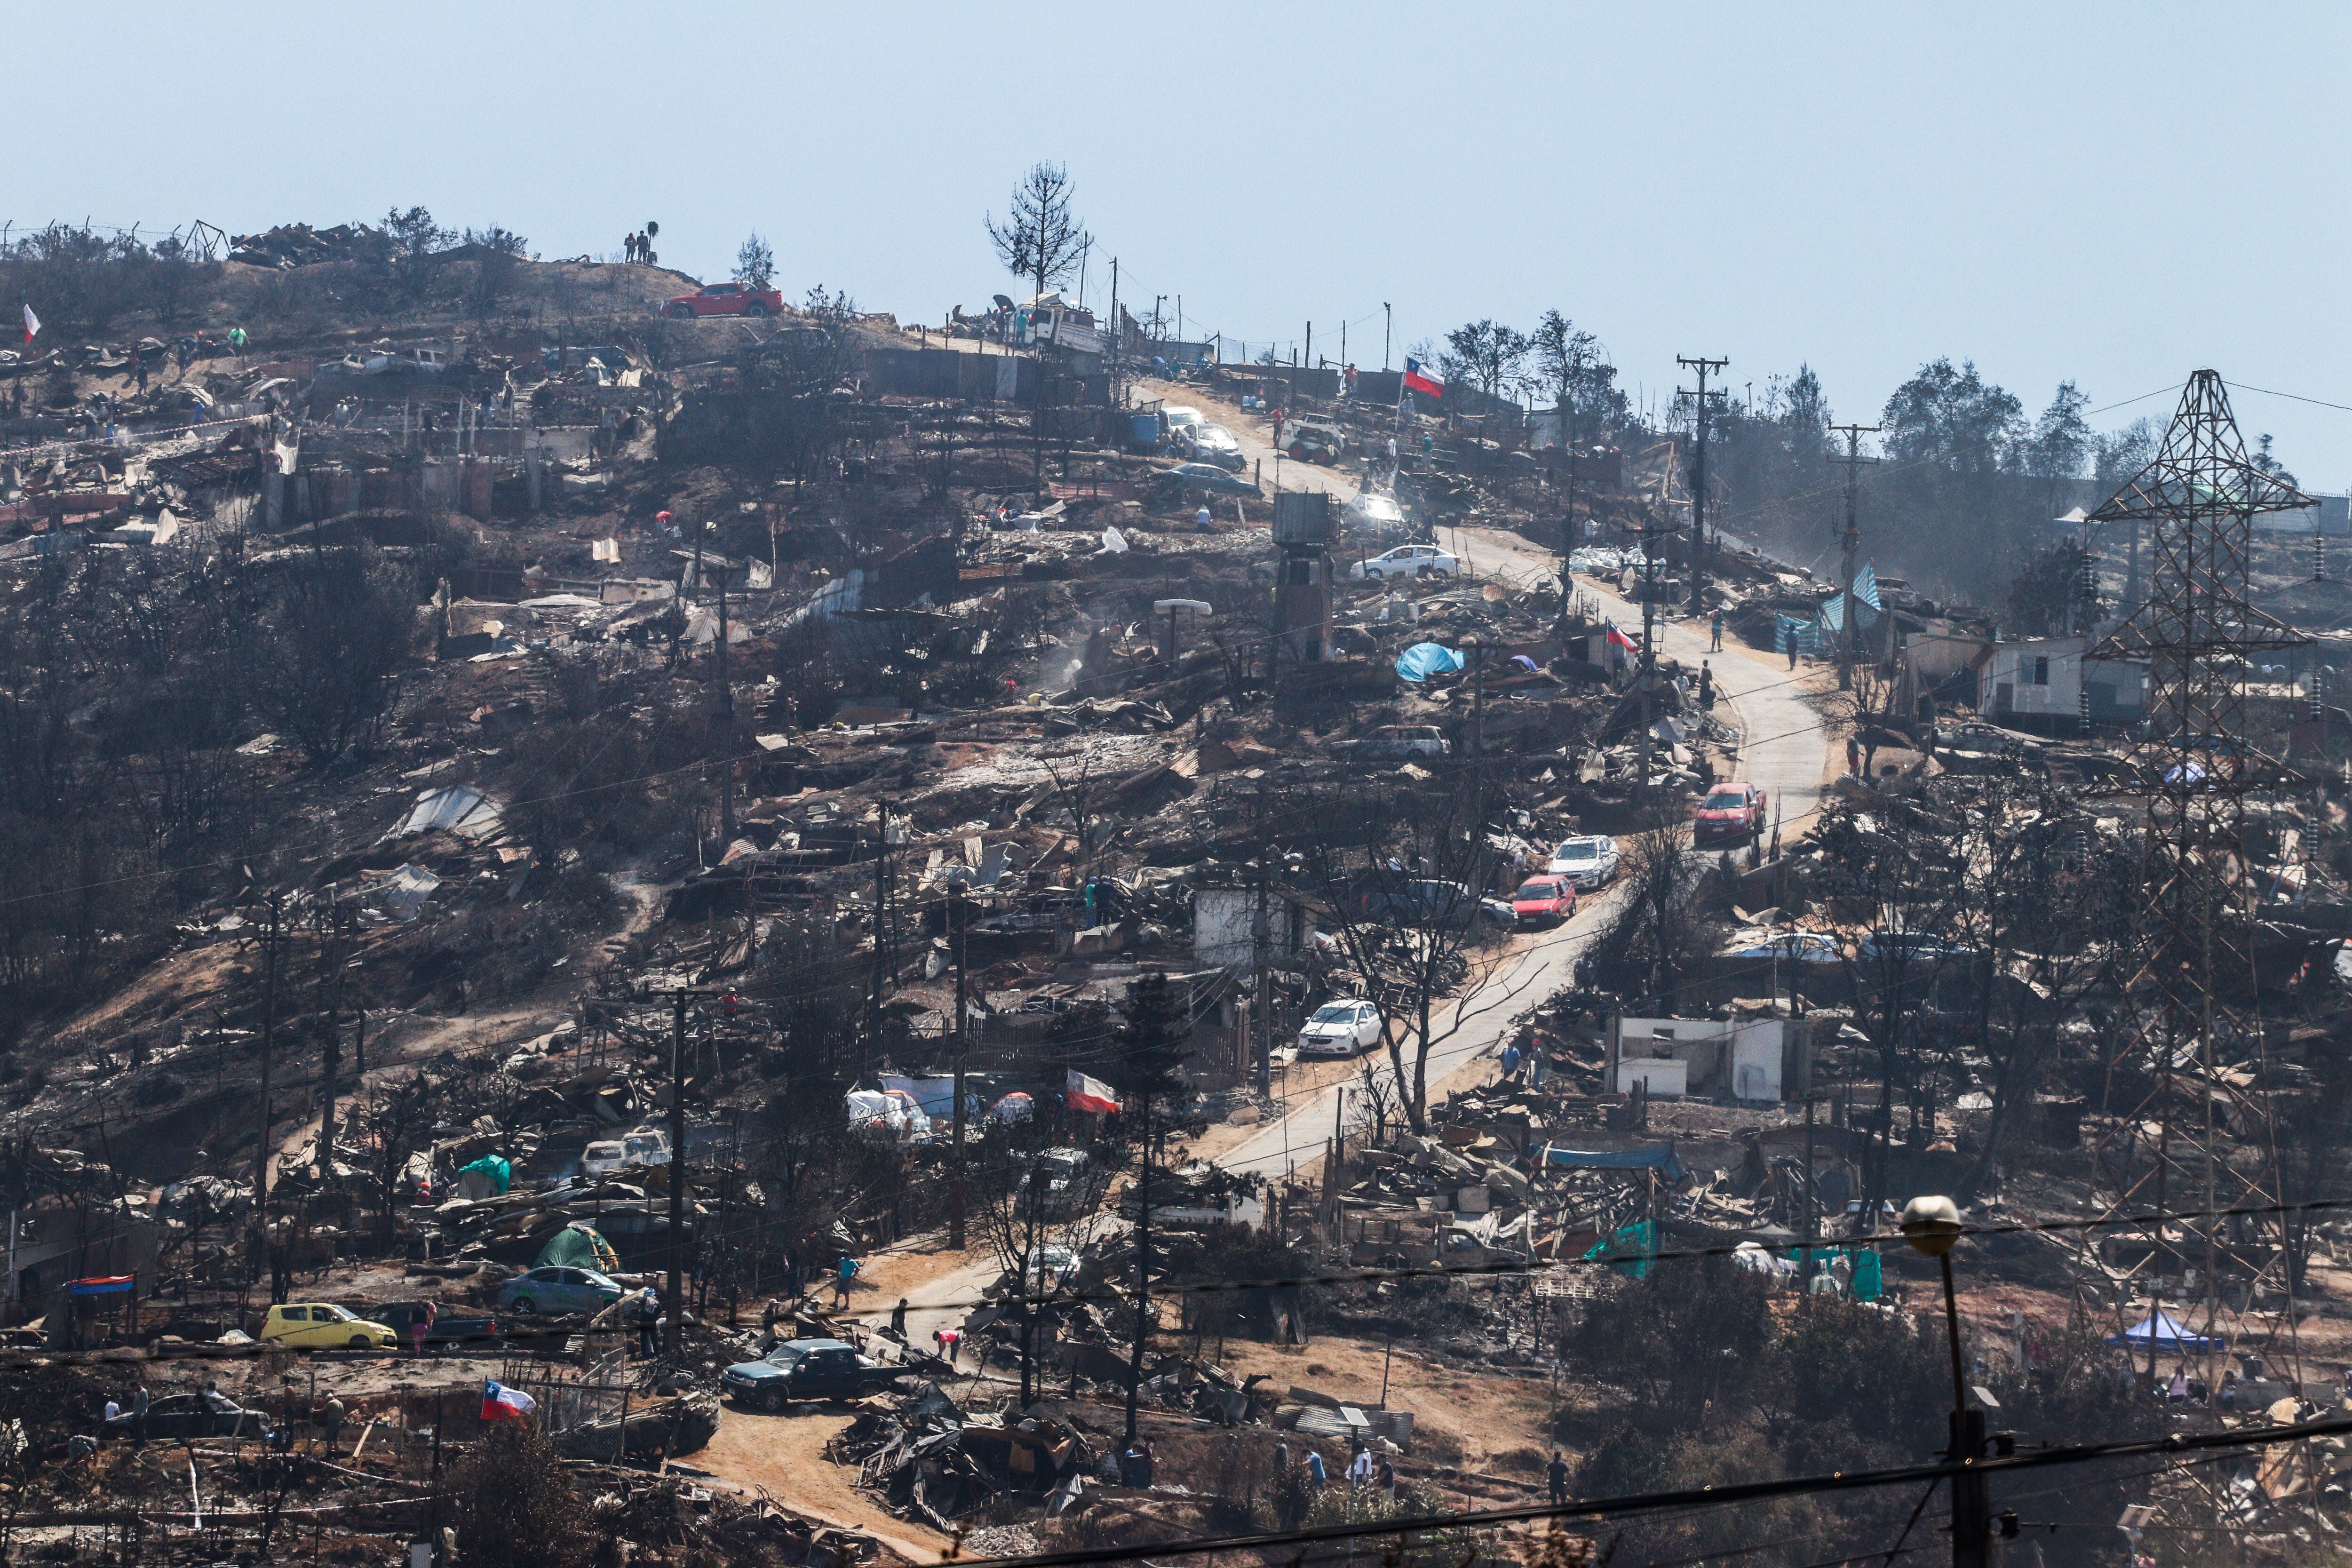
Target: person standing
1204,519
1360,1470
334,1422
1792,645
1715,631
648,1317
1853,754
1317,1476
1384,1479
420,1328
846,1272
1706,682
1556,1473
1510,1062
898,1318
113,1409
139,1403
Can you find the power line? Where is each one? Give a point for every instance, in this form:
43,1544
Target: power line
1698,1497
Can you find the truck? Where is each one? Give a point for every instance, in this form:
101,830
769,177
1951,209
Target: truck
725,300
448,1328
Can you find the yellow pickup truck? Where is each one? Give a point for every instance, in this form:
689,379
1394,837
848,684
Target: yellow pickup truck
323,1325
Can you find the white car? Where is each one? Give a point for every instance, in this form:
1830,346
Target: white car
1213,444
1374,510
1181,418
643,1146
1587,862
1407,560
1341,1028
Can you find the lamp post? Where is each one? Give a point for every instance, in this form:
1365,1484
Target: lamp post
1932,1224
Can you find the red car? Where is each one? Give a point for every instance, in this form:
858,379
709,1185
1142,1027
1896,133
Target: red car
1541,899
1733,812
726,299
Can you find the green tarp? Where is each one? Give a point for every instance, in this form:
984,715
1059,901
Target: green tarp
578,1245
494,1166
1635,1246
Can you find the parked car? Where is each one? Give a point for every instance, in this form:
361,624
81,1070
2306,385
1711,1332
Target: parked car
323,1325
1795,947
1340,1028
725,300
1306,441
1541,901
1204,476
446,1329
609,1156
1398,742
1407,560
1371,510
1072,1184
1212,444
555,1289
1731,813
1973,736
178,1417
1180,417
1589,862
803,1368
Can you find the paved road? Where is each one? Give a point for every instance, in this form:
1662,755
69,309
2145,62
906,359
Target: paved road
1785,752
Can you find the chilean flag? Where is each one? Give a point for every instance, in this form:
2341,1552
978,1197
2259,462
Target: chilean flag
1092,1094
1621,639
32,322
1418,377
501,1402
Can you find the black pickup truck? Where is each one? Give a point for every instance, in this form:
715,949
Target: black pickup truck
449,1329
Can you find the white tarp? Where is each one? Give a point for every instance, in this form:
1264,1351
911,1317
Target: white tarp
891,1110
460,809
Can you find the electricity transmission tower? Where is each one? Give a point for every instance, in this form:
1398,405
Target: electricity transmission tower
2190,1085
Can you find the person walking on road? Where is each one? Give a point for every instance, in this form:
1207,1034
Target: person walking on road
1706,682
1715,631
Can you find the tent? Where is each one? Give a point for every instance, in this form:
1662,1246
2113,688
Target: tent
579,1245
1424,660
495,1167
2165,1333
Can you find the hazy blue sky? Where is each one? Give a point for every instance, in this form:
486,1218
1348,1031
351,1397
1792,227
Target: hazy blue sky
2114,193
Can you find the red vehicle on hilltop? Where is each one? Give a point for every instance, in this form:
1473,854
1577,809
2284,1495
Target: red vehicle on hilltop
725,300
1733,811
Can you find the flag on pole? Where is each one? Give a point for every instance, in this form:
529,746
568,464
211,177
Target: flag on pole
32,322
1091,1094
501,1402
1418,377
1621,639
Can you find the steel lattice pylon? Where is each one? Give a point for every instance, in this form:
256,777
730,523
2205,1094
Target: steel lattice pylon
2194,1031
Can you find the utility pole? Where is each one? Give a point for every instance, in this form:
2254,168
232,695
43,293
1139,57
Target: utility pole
957,919
726,717
1307,362
882,965
1651,555
1388,321
1698,479
273,958
1260,930
330,1062
675,1298
1852,540
1114,332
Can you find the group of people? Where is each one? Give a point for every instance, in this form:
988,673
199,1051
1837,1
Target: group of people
637,250
1364,1472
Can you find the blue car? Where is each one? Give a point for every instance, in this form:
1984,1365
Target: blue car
804,1369
553,1290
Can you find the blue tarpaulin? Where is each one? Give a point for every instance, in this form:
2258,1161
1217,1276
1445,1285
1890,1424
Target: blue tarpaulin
1424,660
1659,1158
1788,629
108,1286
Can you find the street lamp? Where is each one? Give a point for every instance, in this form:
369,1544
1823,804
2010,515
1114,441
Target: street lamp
1931,1225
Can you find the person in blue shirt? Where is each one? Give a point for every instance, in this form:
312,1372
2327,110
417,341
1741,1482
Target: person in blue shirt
1315,1472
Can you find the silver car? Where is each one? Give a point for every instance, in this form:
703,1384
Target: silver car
1588,862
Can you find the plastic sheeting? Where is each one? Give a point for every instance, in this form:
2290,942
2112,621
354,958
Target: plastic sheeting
494,1166
579,1245
1425,659
460,809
